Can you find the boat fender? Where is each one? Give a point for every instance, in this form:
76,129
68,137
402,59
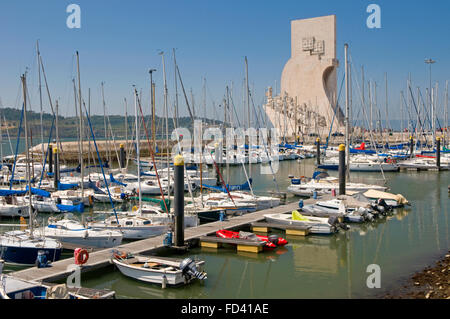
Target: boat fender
81,256
86,234
300,203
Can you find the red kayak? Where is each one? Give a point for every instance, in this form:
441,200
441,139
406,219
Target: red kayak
271,241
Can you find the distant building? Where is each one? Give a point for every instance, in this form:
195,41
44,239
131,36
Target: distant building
308,91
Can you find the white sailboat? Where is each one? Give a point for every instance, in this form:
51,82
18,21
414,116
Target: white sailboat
23,246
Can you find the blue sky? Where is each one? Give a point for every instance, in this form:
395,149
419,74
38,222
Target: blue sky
120,40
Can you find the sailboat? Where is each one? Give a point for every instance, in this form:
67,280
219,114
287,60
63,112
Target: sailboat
134,226
23,246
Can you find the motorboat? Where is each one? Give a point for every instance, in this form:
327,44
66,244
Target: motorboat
325,185
159,270
271,242
317,225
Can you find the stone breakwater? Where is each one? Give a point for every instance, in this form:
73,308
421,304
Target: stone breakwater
431,283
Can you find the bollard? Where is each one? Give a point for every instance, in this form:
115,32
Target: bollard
411,146
56,168
122,156
341,169
50,159
179,200
318,151
300,204
438,153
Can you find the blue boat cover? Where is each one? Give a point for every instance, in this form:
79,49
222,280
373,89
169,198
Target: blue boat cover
7,192
113,180
35,191
71,208
231,188
39,192
64,187
355,151
92,185
69,170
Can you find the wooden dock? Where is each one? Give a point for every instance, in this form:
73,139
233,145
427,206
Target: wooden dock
100,259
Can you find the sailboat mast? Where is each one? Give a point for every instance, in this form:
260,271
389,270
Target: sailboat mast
387,126
138,148
446,111
347,113
176,89
247,100
81,127
89,135
28,177
40,101
166,111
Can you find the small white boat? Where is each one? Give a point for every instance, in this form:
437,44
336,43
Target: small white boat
159,270
318,225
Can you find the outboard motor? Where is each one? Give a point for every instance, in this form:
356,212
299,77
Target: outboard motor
273,239
189,267
382,202
333,220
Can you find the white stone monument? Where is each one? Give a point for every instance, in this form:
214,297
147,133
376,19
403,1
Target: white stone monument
308,82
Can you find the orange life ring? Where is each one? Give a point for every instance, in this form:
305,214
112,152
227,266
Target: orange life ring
81,256
120,255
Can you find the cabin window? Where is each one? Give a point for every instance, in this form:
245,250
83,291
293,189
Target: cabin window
128,223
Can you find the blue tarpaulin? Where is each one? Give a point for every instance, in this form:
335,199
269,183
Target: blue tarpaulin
64,187
7,192
35,191
39,192
231,188
71,208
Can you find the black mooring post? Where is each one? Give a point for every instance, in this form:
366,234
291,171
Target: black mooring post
179,200
56,170
318,150
438,152
411,146
341,169
122,156
50,158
